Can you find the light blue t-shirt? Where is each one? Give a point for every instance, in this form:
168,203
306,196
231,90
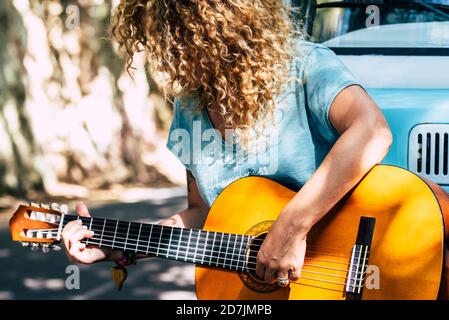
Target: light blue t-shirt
296,145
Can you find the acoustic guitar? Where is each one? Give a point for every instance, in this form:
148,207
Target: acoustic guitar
384,240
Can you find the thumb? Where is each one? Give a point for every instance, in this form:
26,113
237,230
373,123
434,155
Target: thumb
82,210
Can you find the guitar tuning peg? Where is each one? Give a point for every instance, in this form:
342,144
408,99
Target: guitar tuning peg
25,244
45,248
64,209
55,247
55,206
44,206
34,246
34,204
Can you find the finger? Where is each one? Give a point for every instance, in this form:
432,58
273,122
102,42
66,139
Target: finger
75,241
81,234
283,273
89,255
295,273
75,248
82,210
70,227
260,269
270,275
69,230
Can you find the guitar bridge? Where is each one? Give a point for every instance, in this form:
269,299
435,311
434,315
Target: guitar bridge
359,259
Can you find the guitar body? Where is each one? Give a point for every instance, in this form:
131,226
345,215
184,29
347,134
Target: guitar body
406,257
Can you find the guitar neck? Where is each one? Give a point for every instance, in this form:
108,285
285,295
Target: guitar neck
214,249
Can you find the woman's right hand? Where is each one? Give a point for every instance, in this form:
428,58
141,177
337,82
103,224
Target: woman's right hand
78,252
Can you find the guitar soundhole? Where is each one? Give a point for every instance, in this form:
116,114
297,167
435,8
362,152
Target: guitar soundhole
250,278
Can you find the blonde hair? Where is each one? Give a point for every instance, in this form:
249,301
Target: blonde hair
236,54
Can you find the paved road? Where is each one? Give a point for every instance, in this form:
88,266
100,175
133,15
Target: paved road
35,275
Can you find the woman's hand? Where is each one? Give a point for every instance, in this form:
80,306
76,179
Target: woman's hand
78,252
282,253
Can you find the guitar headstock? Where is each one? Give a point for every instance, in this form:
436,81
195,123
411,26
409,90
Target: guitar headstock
37,225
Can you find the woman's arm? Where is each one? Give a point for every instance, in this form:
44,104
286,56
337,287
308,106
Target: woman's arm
364,141
196,212
72,234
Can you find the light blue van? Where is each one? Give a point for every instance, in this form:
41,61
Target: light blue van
399,50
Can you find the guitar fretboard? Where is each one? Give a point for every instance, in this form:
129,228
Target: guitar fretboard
214,249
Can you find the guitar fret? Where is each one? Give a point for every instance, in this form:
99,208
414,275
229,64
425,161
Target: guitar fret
246,258
212,249
159,243
240,252
169,241
179,242
102,232
138,237
149,239
127,233
233,251
219,251
205,247
188,244
90,227
115,233
227,251
196,246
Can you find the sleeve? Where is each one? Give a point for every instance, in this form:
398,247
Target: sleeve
324,76
178,139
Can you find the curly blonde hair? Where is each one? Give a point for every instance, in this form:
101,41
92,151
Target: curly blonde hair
235,54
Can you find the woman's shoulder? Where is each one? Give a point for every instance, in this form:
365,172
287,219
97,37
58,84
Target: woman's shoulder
306,50
315,59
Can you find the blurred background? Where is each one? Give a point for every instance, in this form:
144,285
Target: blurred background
74,125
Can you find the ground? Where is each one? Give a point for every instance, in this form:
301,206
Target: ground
36,275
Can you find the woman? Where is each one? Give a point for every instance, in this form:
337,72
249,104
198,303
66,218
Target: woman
235,66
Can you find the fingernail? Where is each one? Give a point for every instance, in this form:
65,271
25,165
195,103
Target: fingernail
79,222
85,227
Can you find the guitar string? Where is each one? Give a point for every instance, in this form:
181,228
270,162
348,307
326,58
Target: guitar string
238,261
132,227
359,275
130,224
201,249
204,248
359,278
205,243
185,237
133,224
202,245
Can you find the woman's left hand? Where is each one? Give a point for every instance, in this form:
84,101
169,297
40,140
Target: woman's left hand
282,253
